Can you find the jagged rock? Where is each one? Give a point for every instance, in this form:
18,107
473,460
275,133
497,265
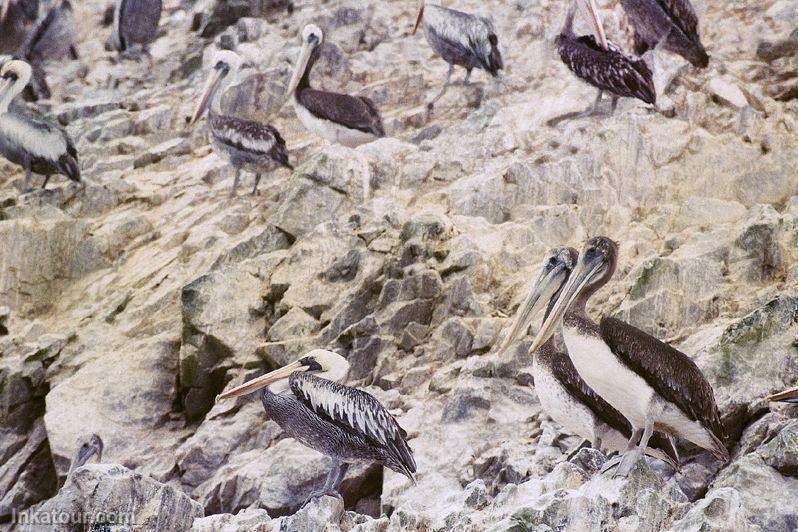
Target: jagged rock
110,493
244,521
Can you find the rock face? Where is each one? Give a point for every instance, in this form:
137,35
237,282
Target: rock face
128,304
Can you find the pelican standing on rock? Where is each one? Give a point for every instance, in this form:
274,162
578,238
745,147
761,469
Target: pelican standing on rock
598,62
337,118
349,425
563,394
35,145
246,144
673,23
93,446
652,384
460,39
787,396
136,24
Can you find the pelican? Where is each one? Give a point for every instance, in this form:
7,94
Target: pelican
349,425
787,396
672,23
337,118
460,39
565,397
246,144
15,18
93,446
52,37
600,63
136,23
651,384
35,145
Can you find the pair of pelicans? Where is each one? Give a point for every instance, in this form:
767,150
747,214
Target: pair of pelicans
617,387
459,38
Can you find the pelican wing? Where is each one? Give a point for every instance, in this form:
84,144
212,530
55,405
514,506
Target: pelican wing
609,70
564,371
249,136
671,373
40,138
354,112
357,412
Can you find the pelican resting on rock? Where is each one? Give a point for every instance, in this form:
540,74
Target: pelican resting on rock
36,145
337,118
136,25
460,39
93,446
652,384
349,425
565,397
671,23
787,396
246,144
600,63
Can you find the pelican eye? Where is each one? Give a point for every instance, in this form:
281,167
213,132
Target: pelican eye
223,67
310,363
493,39
11,75
313,38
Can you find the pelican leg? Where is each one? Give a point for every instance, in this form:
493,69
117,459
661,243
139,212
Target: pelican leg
609,464
46,179
334,478
431,103
468,77
235,183
595,109
614,105
255,188
631,456
26,179
590,111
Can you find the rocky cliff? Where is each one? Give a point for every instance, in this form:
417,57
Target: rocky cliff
130,303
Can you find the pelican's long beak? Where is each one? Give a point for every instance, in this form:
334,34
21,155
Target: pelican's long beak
264,380
547,286
787,396
576,282
208,93
301,66
419,16
598,26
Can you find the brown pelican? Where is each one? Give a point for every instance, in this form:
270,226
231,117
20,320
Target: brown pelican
346,424
460,39
337,118
94,446
787,396
35,145
565,397
136,23
246,144
601,64
670,22
652,384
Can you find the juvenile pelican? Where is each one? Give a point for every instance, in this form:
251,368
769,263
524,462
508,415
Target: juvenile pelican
136,24
460,39
565,397
653,385
93,446
35,145
337,118
787,396
601,64
246,144
670,22
346,424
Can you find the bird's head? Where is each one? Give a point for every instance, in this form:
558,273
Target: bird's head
312,39
224,68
